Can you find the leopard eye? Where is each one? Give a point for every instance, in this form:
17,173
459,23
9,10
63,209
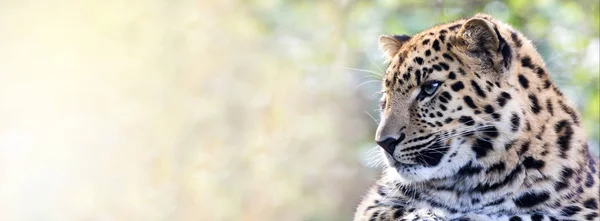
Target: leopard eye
430,87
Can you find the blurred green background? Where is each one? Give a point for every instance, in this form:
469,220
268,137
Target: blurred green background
224,110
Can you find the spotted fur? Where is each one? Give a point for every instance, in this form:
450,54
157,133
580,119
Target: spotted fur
496,140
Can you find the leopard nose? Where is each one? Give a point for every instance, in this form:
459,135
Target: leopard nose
389,145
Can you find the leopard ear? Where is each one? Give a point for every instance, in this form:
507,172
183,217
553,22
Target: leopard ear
478,35
391,44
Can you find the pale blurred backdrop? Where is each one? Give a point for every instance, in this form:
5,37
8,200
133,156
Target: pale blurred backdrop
223,110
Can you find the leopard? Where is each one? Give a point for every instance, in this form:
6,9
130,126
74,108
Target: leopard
472,127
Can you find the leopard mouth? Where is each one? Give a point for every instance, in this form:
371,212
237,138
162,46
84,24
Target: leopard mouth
405,165
429,156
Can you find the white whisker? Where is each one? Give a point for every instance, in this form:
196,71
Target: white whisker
380,75
366,82
377,67
375,120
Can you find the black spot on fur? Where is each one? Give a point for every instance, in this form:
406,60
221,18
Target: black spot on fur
442,38
515,122
515,218
406,76
591,216
565,133
526,62
591,162
540,72
477,89
570,210
439,205
444,66
457,86
497,167
550,107
488,109
436,45
541,132
524,147
374,216
462,72
448,57
535,105
483,188
532,163
589,181
452,75
496,116
426,41
516,40
466,120
427,52
446,95
436,67
443,99
566,174
432,156
560,185
448,120
443,107
397,214
469,170
547,84
454,27
491,131
469,102
569,111
523,81
556,90
537,217
503,98
419,60
482,147
531,199
590,204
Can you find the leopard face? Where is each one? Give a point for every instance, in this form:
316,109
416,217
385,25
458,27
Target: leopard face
449,100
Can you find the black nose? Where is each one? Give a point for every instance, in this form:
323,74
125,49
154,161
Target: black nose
389,145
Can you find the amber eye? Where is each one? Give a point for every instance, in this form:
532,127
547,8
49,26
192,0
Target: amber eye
428,88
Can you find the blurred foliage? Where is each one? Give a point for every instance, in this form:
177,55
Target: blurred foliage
224,110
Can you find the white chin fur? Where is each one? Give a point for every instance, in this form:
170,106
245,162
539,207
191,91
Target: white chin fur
420,173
